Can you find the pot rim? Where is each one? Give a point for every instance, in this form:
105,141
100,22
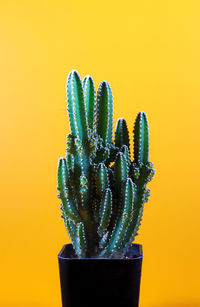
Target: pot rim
138,246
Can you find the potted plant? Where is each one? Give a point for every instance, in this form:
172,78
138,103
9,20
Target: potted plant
103,194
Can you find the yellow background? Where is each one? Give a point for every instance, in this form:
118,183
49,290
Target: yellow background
150,53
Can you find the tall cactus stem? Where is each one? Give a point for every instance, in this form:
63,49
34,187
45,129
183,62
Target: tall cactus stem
122,134
89,97
76,106
105,212
104,112
120,229
141,138
67,202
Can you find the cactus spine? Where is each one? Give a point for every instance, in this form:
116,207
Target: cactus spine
102,191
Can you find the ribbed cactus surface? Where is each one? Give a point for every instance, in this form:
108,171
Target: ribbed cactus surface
102,191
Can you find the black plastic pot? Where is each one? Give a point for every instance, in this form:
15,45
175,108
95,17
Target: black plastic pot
94,282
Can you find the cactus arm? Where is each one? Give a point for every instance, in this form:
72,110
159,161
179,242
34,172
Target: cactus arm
70,162
122,134
71,229
144,175
125,151
70,144
104,112
142,193
65,195
133,227
71,226
81,172
102,179
134,172
119,231
105,212
120,177
141,172
93,199
149,172
76,106
120,170
89,96
141,139
82,244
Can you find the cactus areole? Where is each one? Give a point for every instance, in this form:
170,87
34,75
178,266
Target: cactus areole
102,191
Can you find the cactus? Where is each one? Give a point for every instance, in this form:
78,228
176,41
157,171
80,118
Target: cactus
102,191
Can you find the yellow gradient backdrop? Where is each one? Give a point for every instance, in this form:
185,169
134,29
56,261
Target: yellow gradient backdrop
150,53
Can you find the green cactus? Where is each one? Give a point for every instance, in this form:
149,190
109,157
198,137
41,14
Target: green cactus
102,191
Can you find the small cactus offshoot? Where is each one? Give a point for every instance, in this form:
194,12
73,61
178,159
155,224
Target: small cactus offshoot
102,191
